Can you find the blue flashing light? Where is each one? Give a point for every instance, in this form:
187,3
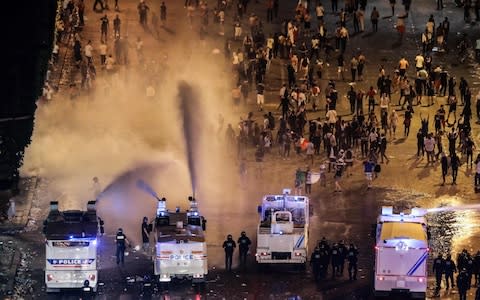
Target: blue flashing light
94,242
195,213
71,237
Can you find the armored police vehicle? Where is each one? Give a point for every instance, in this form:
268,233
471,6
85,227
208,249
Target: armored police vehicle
180,245
282,234
401,253
71,248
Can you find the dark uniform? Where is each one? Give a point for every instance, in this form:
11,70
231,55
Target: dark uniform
121,241
438,265
229,246
476,267
352,258
449,268
469,268
462,284
335,260
243,245
315,263
342,249
145,234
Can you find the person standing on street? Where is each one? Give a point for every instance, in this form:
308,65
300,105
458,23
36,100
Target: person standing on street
352,257
449,269
146,229
243,245
229,246
454,163
438,267
116,26
142,12
462,284
315,263
11,210
121,241
374,16
104,28
444,163
163,13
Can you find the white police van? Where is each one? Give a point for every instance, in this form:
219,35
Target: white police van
71,248
180,245
401,253
282,234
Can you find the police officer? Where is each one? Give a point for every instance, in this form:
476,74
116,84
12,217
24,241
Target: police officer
229,246
121,241
145,234
449,269
243,245
469,268
438,264
335,260
462,284
315,263
342,250
476,267
352,257
324,260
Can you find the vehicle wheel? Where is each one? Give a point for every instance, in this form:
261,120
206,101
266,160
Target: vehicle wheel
164,286
200,287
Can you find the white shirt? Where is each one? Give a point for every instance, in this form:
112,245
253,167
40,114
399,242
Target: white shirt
320,11
331,116
103,49
429,144
419,60
88,50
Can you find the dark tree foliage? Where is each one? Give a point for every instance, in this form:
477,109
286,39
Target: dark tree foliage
27,40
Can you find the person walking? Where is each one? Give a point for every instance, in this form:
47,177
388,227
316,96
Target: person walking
449,269
229,246
444,163
116,26
462,284
11,210
454,163
352,257
243,246
316,263
374,16
104,24
163,13
438,266
477,172
142,8
121,242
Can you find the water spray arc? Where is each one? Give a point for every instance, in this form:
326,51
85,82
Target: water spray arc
191,113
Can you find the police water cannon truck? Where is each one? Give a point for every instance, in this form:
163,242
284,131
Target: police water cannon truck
180,245
282,234
401,253
71,248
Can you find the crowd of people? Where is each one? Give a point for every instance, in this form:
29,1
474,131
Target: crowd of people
327,144
467,267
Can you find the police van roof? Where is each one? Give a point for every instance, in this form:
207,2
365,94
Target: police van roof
170,232
403,230
71,224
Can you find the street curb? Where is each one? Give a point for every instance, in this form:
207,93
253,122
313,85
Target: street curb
12,274
32,192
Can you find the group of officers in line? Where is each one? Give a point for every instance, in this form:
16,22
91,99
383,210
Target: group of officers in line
324,255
